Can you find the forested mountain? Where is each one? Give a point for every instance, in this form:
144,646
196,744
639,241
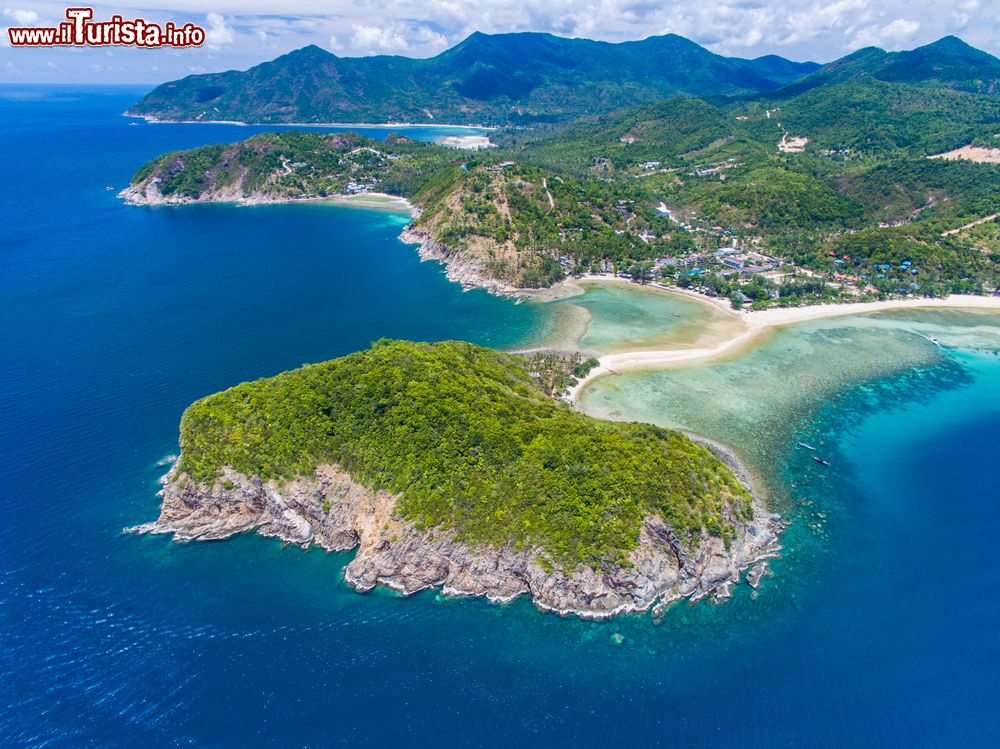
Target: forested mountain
947,63
491,79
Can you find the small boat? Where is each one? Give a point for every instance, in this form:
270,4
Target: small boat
934,340
109,187
820,460
807,447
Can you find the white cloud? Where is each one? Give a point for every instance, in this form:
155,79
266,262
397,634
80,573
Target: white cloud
21,17
395,38
893,35
427,37
818,19
964,12
373,38
218,32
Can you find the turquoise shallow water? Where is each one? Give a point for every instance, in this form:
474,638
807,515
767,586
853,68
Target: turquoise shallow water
878,628
623,316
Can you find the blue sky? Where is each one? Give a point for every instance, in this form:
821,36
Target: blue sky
242,33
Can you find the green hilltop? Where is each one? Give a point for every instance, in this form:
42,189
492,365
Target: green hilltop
947,63
472,444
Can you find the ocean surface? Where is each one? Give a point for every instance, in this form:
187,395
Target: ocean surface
878,627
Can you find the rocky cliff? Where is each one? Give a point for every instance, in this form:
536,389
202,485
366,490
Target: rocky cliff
147,192
461,268
331,511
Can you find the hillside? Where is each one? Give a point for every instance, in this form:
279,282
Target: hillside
470,442
491,218
839,172
488,79
446,466
593,196
947,63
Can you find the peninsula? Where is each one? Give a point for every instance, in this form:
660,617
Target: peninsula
448,466
825,190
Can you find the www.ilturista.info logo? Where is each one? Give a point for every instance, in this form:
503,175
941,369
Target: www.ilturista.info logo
80,30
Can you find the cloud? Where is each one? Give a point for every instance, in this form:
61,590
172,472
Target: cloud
893,35
822,19
373,38
964,12
218,33
427,37
21,17
396,37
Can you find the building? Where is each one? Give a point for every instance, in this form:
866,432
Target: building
748,262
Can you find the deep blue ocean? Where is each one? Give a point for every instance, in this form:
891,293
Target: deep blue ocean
880,631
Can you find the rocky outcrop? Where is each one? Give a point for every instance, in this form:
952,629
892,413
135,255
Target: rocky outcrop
147,192
459,267
330,510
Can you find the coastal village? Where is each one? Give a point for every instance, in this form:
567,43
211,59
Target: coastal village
680,248
530,227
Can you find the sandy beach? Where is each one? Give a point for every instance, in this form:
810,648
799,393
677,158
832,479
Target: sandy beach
371,200
759,325
372,125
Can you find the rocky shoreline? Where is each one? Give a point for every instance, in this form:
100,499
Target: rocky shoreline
331,511
458,268
148,193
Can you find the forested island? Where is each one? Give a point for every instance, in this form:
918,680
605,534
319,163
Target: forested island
448,465
856,181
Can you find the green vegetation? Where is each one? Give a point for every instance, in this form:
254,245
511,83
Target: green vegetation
469,440
557,371
947,63
297,164
861,191
676,180
486,79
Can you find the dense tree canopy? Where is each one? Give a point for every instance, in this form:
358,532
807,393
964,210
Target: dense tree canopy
470,441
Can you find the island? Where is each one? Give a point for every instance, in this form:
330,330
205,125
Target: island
447,465
828,189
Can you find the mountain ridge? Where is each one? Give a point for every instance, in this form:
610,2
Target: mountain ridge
948,62
495,79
